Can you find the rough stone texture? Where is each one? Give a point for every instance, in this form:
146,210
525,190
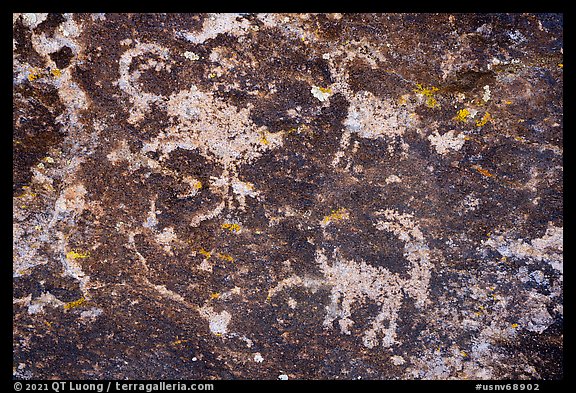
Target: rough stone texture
311,196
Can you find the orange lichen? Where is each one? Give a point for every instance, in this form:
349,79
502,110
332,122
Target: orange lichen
214,295
482,171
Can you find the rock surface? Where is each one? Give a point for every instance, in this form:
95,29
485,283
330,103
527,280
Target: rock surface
294,196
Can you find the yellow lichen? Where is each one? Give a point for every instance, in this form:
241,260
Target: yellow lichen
77,255
515,325
403,100
226,257
232,227
428,93
34,74
462,115
485,119
263,140
197,184
207,254
561,65
56,72
464,354
214,295
75,303
335,215
27,193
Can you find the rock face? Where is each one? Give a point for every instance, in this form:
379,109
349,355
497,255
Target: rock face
303,196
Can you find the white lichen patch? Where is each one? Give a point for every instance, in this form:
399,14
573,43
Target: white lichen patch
393,179
70,201
397,360
45,299
167,292
547,248
536,318
371,117
292,303
217,321
242,190
486,93
31,20
151,220
322,94
311,283
258,357
121,153
215,24
191,56
446,142
344,143
166,238
91,314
